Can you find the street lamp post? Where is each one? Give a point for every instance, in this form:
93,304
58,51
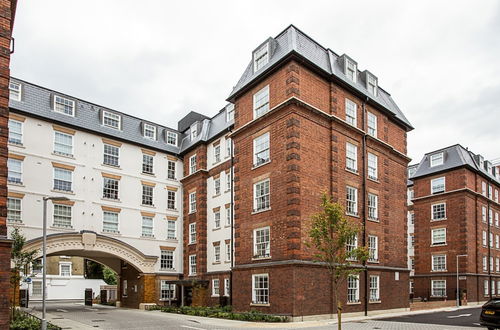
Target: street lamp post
458,289
44,255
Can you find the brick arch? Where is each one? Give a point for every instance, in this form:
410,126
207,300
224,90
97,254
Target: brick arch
87,242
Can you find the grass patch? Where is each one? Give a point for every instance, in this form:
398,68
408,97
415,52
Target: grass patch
221,313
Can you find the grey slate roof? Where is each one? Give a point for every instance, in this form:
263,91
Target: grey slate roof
454,157
208,129
292,40
36,100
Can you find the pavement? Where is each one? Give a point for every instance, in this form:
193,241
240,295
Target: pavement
74,315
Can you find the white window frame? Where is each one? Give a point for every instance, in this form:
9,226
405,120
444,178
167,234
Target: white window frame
171,135
171,169
69,265
217,188
147,197
372,207
192,164
111,155
372,166
264,199
59,208
215,287
371,84
58,171
351,157
192,202
435,185
112,117
230,112
261,102
434,241
62,144
110,189
13,126
351,245
351,201
228,251
194,131
435,288
145,226
439,263
372,248
486,288
217,253
262,245
227,287
167,257
374,288
435,212
372,124
229,145
351,112
62,101
171,229
171,194
192,265
14,215
192,233
148,128
148,162
217,222
436,159
351,69
261,57
15,93
18,177
167,291
353,289
261,150
217,154
104,221
260,295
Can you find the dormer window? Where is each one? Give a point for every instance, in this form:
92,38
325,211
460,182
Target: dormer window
64,105
149,131
411,171
261,57
436,159
350,69
111,120
230,112
15,91
194,131
172,138
371,84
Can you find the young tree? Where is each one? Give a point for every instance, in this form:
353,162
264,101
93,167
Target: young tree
330,233
21,261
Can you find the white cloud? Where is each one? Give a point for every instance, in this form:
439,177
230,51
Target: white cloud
160,59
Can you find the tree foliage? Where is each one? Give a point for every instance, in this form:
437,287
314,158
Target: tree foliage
329,235
20,259
109,276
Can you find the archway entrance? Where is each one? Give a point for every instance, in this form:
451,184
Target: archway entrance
136,278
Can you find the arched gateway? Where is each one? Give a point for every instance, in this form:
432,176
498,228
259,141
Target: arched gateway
109,251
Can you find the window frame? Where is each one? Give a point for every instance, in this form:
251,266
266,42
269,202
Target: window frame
262,53
18,92
193,265
11,139
61,143
173,135
215,288
62,103
439,263
147,197
59,207
192,233
111,117
167,257
18,172
266,197
171,200
192,164
263,245
109,191
147,164
435,213
192,202
352,289
60,184
372,167
351,204
261,103
10,210
434,185
374,289
104,221
434,292
436,159
149,128
351,157
351,112
373,207
260,295
171,169
372,124
110,155
373,249
143,226
434,242
171,229
262,146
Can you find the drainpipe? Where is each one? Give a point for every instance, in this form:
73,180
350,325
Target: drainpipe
490,242
363,189
478,271
232,226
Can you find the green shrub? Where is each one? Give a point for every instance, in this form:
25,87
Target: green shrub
222,313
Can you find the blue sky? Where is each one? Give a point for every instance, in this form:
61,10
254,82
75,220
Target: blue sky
161,59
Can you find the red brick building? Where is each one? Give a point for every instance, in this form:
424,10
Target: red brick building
306,121
456,212
8,9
